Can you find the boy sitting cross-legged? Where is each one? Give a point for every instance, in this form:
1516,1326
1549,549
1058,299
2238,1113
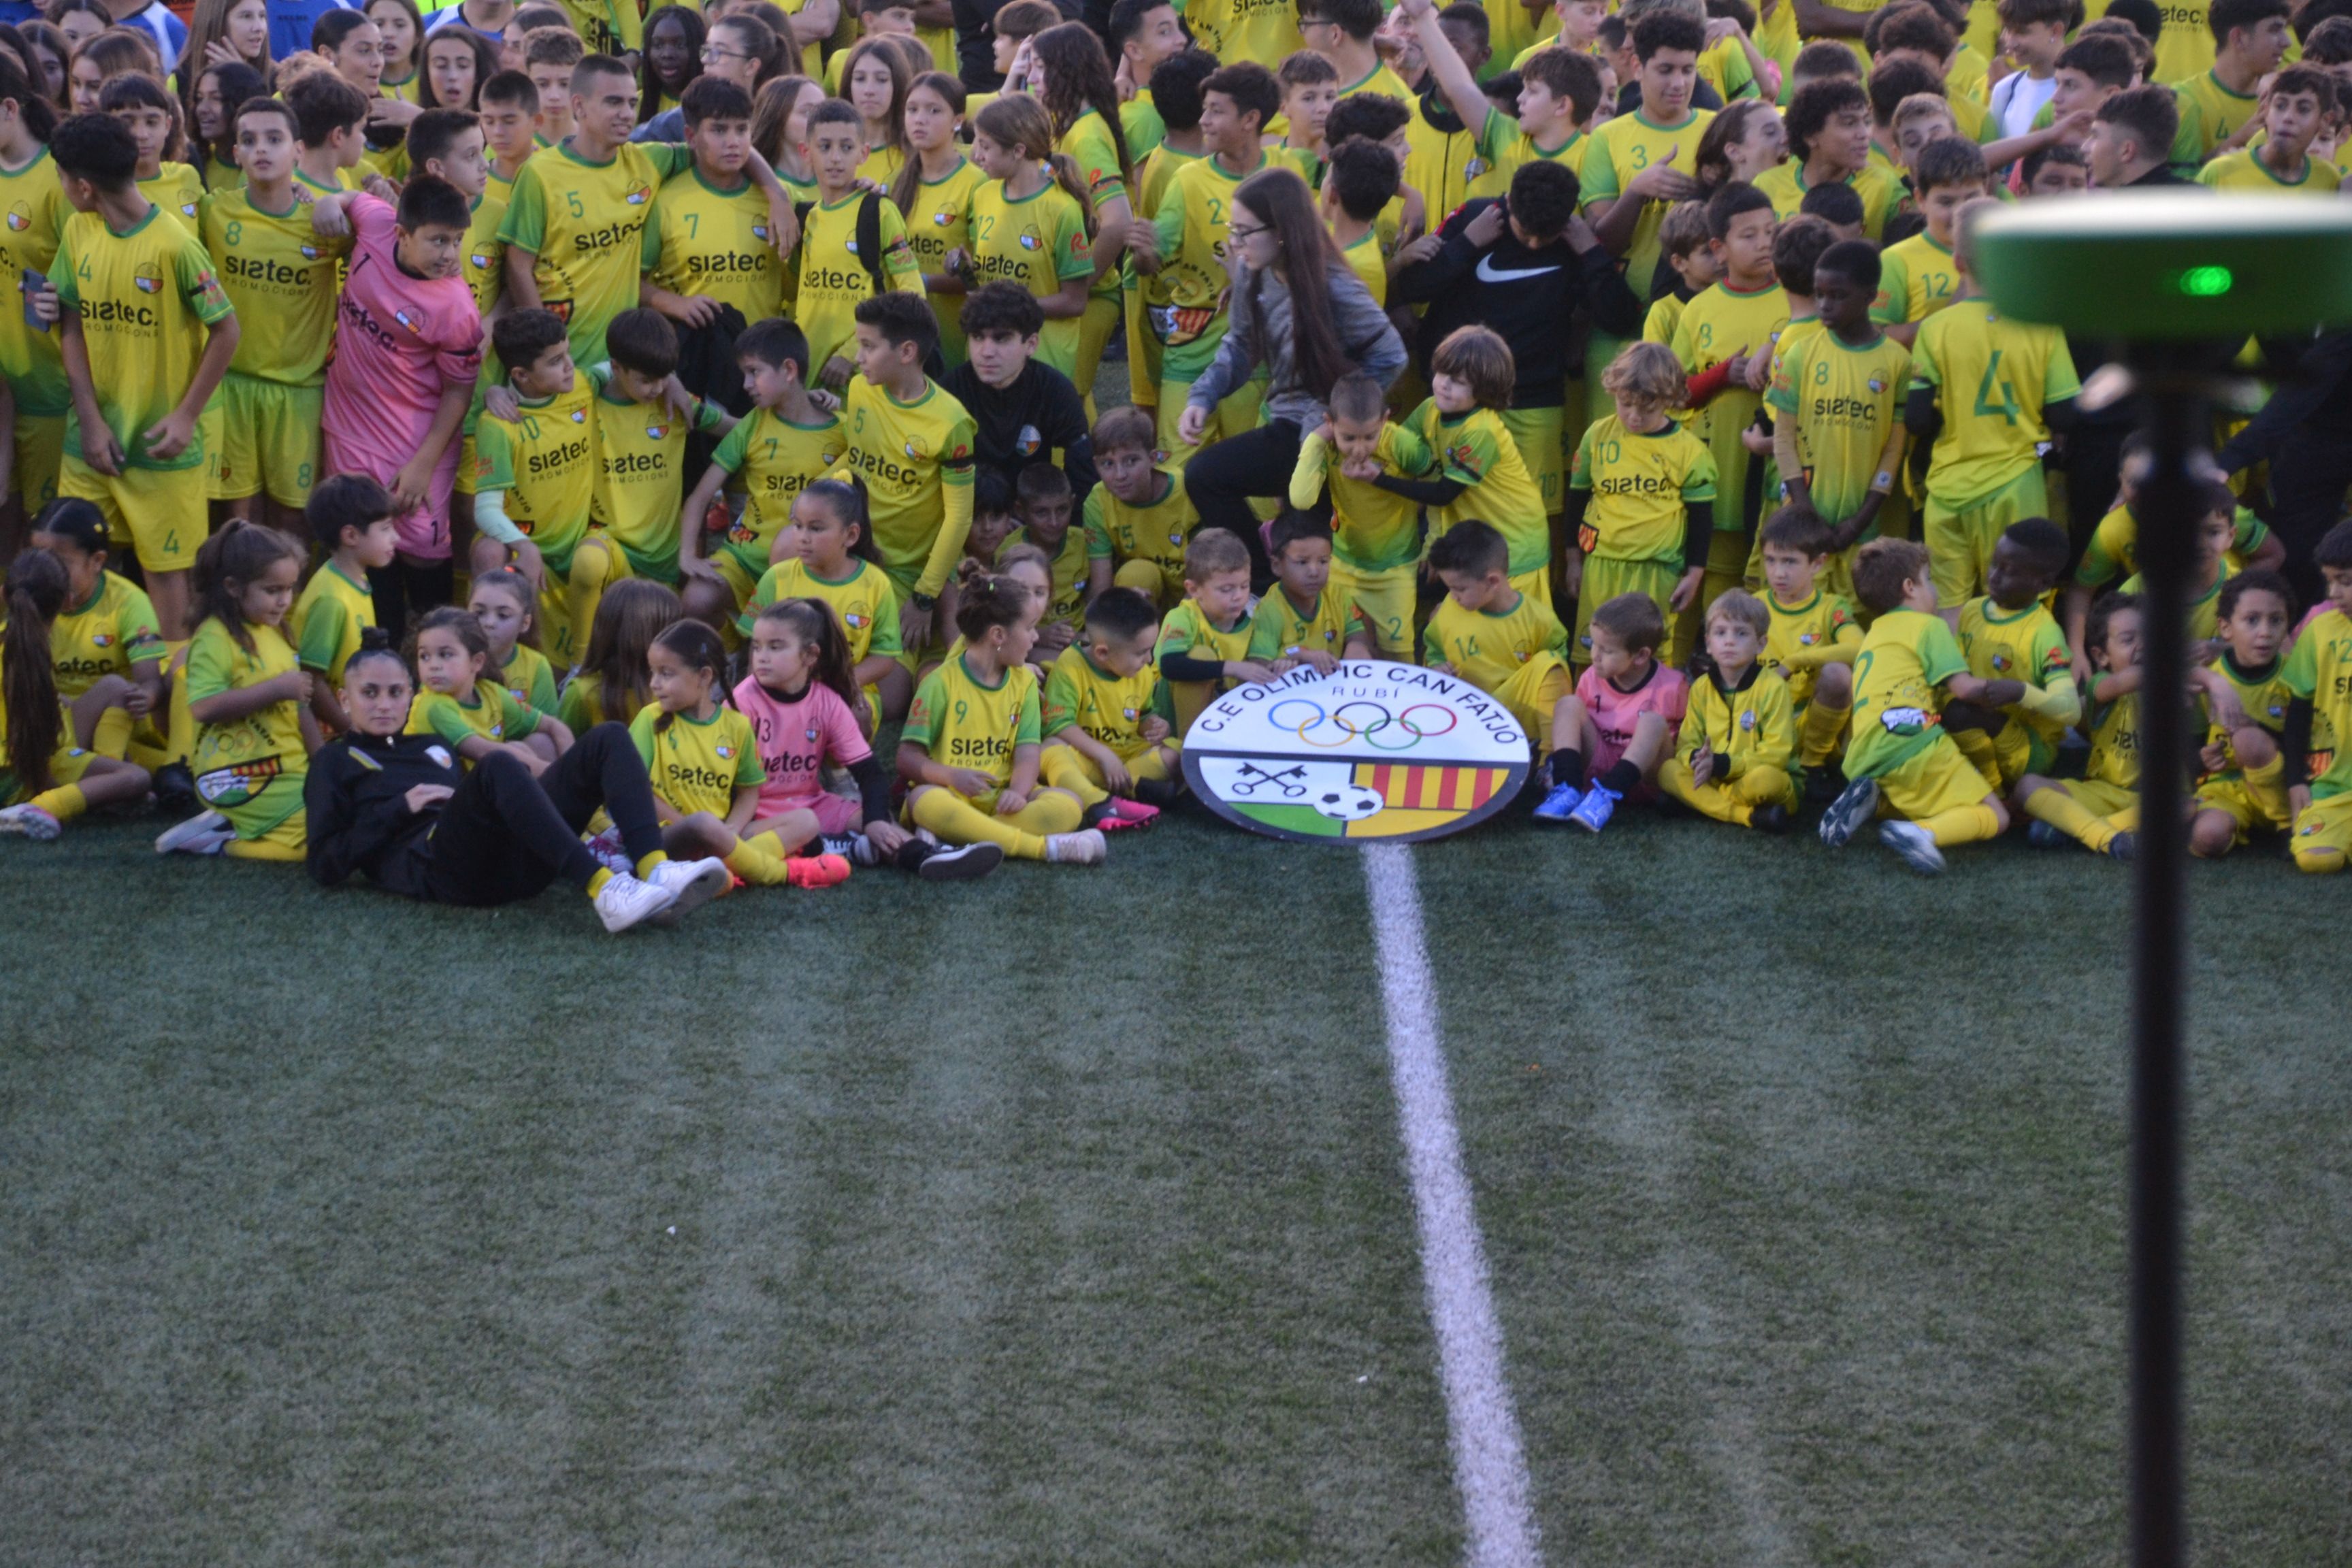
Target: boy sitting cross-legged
1109,720
1899,755
1619,726
1732,760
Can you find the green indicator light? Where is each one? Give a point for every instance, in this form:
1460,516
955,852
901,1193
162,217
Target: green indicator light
2206,282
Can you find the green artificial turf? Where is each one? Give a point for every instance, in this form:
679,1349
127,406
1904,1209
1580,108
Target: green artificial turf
1059,1218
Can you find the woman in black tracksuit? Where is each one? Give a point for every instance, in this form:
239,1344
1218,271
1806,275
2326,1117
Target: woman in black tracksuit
408,813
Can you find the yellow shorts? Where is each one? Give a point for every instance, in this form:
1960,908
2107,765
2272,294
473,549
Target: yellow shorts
1161,582
2118,805
1535,584
1938,779
1387,600
40,447
2323,834
1534,689
160,513
738,576
1960,540
2253,804
1237,414
1605,579
67,766
1536,433
263,437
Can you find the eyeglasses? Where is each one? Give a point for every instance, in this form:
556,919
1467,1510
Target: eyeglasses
712,54
1239,235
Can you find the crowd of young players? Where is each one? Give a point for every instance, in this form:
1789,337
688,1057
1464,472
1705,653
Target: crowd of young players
411,435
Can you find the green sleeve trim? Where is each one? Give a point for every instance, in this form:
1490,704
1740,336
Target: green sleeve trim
322,633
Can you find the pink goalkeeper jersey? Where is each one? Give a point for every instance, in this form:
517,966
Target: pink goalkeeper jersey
1614,713
399,341
796,740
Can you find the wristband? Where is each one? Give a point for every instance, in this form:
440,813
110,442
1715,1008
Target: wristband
923,602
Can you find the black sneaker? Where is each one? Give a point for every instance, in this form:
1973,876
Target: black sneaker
1772,818
1157,792
957,863
1847,814
176,790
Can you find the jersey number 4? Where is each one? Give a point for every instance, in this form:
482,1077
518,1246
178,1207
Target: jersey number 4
1994,394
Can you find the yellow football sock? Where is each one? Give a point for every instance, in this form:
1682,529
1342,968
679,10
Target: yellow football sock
596,883
65,803
2071,817
1065,768
264,849
758,860
1817,737
1963,825
646,867
592,569
179,734
957,821
111,738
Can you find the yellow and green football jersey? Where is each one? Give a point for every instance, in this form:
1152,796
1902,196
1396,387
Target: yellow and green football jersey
1880,191
327,620
1845,401
640,475
2018,644
717,244
1917,277
2246,173
1623,147
1476,450
1487,647
493,713
33,212
269,739
1372,530
1899,709
1157,533
1039,241
1111,711
910,455
179,190
279,274
1994,377
2114,742
1806,637
1641,483
1279,629
2319,670
964,722
2210,115
1066,605
697,765
938,222
484,265
830,279
1718,323
546,463
110,634
773,460
587,224
530,678
145,298
862,602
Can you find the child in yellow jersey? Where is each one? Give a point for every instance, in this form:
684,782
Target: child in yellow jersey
970,749
1559,90
2010,633
47,780
2243,782
2112,555
2319,712
105,635
152,117
2100,811
1359,183
504,602
1375,533
1506,643
703,760
1137,519
1837,406
2294,113
836,563
1687,246
1735,754
1635,163
1479,468
1641,497
30,359
1725,343
1983,387
934,191
612,679
1108,716
912,444
786,444
1204,646
640,442
1813,634
147,335
349,518
2217,529
1829,144
1305,620
250,701
712,230
1917,277
280,273
535,472
831,278
460,700
1899,758
1044,507
1027,223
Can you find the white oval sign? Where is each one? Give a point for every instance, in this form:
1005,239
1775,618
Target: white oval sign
1372,750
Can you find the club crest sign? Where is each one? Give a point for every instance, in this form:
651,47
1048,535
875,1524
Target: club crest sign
1374,751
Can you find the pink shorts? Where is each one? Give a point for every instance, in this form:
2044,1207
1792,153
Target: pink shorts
423,532
836,814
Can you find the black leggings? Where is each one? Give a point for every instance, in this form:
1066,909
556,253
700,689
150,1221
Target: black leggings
505,836
1223,478
2308,477
404,592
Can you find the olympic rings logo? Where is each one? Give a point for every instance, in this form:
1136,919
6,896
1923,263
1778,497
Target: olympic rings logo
1361,719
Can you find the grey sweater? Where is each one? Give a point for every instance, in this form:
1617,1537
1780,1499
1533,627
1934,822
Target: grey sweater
1261,336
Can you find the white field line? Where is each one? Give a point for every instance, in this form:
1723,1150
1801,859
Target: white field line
1490,1465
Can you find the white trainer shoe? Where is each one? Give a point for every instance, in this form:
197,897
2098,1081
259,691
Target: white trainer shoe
691,884
625,900
1083,847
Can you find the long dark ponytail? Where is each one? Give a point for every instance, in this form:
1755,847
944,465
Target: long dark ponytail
815,624
40,114
698,647
1280,199
227,563
37,596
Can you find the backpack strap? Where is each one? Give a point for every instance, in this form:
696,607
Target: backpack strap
869,241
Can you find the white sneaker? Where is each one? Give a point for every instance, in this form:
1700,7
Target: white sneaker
202,834
1914,844
625,900
31,821
1083,847
691,884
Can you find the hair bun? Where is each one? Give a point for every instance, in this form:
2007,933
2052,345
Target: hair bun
375,639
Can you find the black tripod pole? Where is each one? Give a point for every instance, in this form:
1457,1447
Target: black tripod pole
2175,417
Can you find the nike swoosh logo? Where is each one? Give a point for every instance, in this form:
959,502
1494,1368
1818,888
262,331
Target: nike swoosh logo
1490,273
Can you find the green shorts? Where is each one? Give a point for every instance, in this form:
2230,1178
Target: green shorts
265,440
